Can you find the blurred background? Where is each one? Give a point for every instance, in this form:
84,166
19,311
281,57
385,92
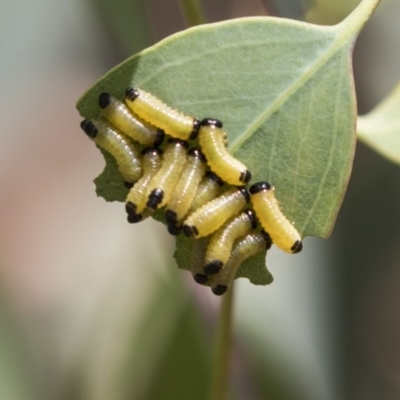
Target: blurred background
93,308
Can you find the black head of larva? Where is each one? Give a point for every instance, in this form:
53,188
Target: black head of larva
159,138
219,289
297,247
130,208
104,100
155,198
134,218
267,238
196,128
190,231
200,278
89,128
214,177
131,93
194,152
174,229
179,142
244,192
213,267
259,187
211,121
151,150
252,218
245,176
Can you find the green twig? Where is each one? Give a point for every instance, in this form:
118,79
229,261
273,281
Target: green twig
193,12
222,352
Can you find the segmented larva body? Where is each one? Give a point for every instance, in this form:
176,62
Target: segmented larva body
212,141
161,187
221,241
135,203
120,116
248,246
118,145
198,252
185,190
210,217
154,111
267,209
208,189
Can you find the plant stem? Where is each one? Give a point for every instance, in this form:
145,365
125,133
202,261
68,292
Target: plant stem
193,12
222,351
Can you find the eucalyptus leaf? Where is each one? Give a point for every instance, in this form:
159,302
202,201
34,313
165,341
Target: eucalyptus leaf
380,129
284,90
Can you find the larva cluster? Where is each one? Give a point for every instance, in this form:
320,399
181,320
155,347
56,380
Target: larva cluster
195,179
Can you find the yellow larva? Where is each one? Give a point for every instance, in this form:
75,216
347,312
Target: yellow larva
212,141
120,116
185,190
118,145
210,217
157,113
209,188
199,247
161,187
248,246
135,203
221,241
266,207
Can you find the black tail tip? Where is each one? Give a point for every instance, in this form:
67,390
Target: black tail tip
211,121
245,177
213,267
259,187
134,218
128,185
89,128
131,93
159,138
297,247
190,231
170,217
219,289
201,279
155,199
267,238
104,100
174,229
130,208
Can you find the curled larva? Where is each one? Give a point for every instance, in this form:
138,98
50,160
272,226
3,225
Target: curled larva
120,116
157,113
212,141
185,190
210,217
221,241
267,209
118,145
247,246
135,203
208,189
161,187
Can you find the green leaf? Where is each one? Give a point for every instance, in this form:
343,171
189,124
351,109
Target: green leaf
109,184
284,90
380,129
